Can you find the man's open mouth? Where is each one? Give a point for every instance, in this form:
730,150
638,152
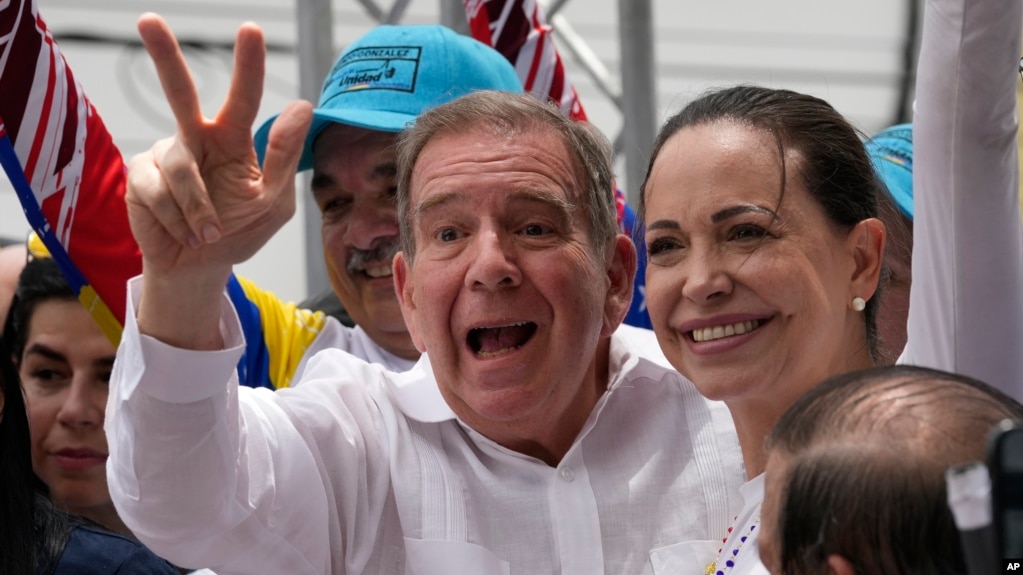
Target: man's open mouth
499,340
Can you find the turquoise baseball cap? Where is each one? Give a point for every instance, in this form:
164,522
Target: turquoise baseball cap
891,153
391,74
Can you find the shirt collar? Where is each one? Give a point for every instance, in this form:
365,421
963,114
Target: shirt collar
635,353
417,394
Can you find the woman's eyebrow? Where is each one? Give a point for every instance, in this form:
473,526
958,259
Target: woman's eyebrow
733,211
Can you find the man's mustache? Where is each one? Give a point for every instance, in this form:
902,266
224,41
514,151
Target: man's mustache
381,251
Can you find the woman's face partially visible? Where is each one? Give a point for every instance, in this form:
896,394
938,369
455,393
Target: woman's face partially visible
65,370
748,288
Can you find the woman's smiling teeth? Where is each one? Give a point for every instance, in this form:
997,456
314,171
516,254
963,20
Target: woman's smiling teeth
720,331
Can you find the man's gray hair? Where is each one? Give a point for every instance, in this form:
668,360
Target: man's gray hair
508,114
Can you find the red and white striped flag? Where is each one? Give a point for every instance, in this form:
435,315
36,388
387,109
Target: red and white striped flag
517,29
56,150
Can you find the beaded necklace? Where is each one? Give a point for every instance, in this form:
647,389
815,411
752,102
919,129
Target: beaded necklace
729,562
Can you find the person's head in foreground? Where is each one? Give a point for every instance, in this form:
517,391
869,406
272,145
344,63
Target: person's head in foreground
377,87
64,361
512,273
855,479
764,250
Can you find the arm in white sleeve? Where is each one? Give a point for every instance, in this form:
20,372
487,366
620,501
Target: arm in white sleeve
966,304
209,474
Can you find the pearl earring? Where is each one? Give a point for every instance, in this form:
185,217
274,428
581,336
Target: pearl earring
858,304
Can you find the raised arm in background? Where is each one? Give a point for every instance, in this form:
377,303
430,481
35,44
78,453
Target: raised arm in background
966,310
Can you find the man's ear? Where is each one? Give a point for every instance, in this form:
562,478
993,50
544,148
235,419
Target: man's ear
866,243
405,288
621,275
838,565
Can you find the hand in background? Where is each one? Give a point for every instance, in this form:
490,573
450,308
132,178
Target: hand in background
198,202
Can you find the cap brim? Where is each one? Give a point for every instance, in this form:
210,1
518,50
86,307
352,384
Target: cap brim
377,120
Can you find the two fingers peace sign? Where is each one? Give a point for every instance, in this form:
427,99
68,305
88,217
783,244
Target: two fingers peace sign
199,200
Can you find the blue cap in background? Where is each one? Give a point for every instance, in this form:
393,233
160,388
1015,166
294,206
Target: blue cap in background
390,75
891,152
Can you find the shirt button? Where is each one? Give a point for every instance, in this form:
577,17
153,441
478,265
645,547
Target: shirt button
567,474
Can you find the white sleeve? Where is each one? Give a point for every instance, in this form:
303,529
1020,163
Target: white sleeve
966,303
206,473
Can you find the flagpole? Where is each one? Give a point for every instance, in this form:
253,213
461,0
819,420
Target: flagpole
639,90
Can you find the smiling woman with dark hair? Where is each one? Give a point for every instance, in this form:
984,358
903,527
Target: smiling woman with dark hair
764,258
766,251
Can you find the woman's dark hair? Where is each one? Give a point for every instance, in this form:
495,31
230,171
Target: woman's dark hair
33,533
40,281
835,168
866,454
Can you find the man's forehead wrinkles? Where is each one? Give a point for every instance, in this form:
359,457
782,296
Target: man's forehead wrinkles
526,195
498,150
435,201
526,177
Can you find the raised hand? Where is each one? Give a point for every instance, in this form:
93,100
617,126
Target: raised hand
200,198
198,202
